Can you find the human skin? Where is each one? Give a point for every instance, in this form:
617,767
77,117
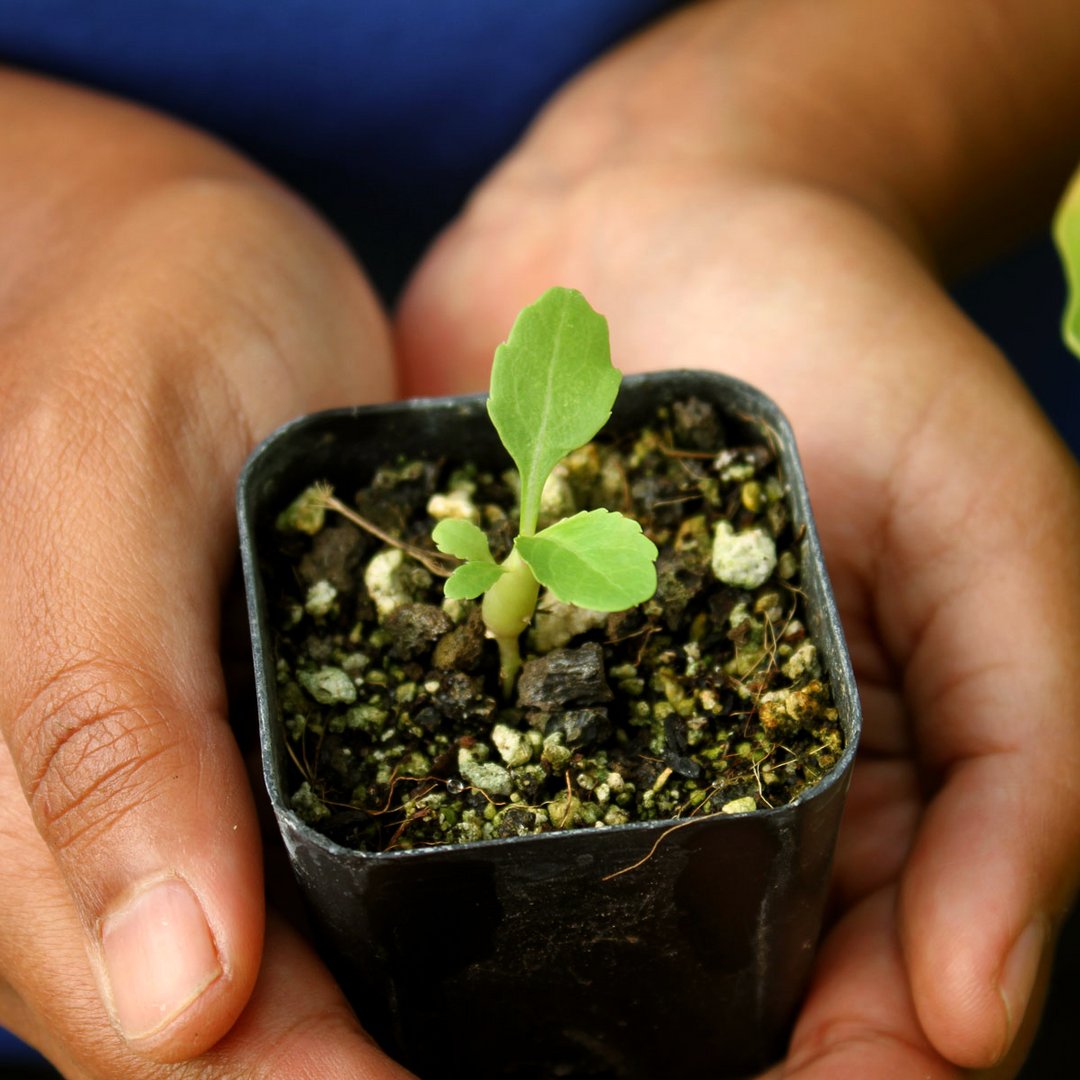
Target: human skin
162,306
765,188
774,190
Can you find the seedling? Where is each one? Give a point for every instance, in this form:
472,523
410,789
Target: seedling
1067,236
552,388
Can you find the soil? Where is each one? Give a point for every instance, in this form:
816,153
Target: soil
707,699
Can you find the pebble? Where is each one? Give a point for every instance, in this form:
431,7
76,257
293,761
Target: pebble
564,677
512,745
320,599
306,514
457,504
381,579
555,755
803,662
459,697
744,559
485,775
328,686
414,628
579,727
462,648
308,805
335,556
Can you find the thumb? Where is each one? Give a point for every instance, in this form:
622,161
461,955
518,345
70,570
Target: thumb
130,395
114,712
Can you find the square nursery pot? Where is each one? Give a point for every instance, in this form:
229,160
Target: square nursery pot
523,957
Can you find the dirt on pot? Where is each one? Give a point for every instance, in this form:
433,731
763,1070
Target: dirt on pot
709,698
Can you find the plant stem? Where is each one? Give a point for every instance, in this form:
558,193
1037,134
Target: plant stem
509,663
507,609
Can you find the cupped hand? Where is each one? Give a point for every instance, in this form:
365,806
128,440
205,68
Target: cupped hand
163,307
947,508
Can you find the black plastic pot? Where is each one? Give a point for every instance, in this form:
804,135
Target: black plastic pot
520,957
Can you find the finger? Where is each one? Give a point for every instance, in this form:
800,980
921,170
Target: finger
295,1025
298,1025
115,716
42,946
990,646
121,451
881,818
455,310
859,1019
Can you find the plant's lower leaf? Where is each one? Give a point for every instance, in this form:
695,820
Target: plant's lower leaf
596,559
471,580
462,539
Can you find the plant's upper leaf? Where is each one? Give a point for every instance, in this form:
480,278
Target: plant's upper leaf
552,388
462,539
471,580
1067,237
595,559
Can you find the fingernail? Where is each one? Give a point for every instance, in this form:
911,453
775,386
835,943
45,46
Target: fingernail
159,957
1018,974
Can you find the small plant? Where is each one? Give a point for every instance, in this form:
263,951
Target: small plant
1067,237
552,388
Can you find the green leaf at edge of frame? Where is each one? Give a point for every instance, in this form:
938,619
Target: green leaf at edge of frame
1067,239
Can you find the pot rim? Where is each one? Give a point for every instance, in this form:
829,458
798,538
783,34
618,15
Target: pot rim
753,407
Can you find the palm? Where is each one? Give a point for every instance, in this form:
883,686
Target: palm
892,398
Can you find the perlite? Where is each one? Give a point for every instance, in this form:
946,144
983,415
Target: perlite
744,559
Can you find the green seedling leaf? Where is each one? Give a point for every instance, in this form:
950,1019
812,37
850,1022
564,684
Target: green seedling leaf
596,559
1067,238
463,540
471,579
552,388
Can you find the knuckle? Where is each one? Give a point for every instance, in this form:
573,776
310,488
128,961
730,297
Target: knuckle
93,746
49,435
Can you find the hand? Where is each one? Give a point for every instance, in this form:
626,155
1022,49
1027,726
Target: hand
948,512
164,306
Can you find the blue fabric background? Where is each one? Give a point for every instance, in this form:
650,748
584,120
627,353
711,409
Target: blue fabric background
1018,303
383,112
